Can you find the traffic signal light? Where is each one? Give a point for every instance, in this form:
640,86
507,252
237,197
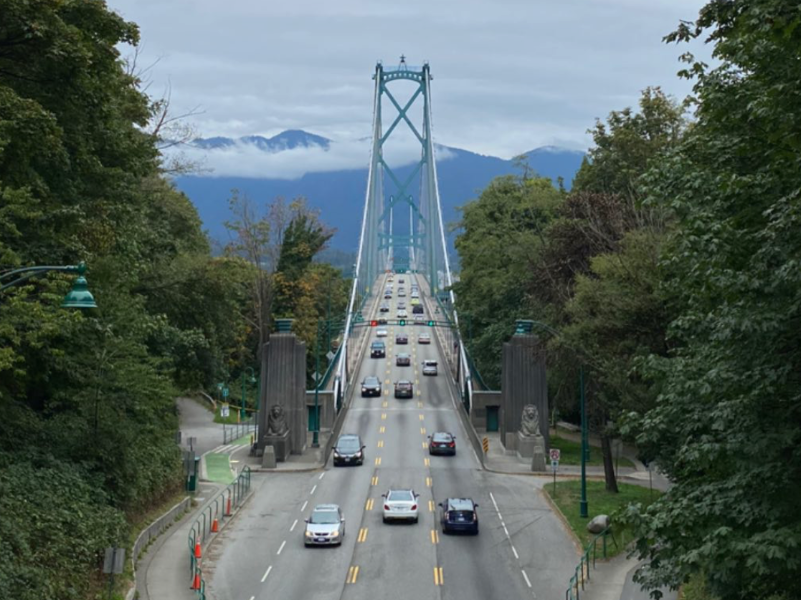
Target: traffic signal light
402,322
431,323
373,323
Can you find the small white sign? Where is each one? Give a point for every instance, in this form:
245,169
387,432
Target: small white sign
330,356
554,465
224,410
316,376
556,454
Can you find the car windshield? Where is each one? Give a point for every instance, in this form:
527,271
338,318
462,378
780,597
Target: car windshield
370,380
404,384
442,437
378,344
400,496
431,363
324,517
348,445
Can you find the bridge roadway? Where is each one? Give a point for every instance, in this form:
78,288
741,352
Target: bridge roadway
522,550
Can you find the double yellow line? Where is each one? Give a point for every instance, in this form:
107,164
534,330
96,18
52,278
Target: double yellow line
437,575
353,574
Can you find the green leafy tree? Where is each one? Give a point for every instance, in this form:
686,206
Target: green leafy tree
727,425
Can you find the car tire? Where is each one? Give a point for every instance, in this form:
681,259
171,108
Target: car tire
416,520
384,519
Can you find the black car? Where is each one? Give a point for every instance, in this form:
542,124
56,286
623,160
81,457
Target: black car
378,350
442,442
384,308
349,450
371,386
382,321
417,309
401,338
404,389
459,514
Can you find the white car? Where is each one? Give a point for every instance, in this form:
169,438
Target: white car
381,332
402,314
429,367
400,505
419,319
423,338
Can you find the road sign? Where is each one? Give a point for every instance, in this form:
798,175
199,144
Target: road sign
554,465
316,376
330,356
556,454
224,410
114,561
225,392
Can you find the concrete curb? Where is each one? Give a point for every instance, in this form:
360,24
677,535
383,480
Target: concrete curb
565,523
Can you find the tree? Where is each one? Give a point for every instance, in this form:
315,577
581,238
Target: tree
727,424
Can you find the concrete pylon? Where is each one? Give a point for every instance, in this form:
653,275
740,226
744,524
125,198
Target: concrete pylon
523,382
283,383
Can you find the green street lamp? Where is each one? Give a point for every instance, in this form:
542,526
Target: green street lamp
525,327
78,297
252,380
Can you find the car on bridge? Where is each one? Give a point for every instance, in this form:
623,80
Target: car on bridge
401,280
378,349
400,505
442,443
417,309
381,332
404,389
402,314
423,338
403,360
419,320
325,526
371,386
429,367
384,307
387,294
401,293
414,301
459,514
401,338
349,450
401,304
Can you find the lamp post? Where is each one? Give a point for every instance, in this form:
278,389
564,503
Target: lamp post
244,394
523,327
78,297
316,431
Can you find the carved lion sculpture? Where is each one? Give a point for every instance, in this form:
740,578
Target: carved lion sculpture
276,421
530,422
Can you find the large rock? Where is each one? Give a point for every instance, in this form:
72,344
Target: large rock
598,524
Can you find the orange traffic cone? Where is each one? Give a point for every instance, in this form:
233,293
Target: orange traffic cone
196,581
198,551
228,507
215,527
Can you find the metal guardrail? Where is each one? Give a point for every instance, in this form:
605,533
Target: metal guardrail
232,432
582,574
217,510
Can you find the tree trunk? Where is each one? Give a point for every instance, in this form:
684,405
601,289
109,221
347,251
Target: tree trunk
609,465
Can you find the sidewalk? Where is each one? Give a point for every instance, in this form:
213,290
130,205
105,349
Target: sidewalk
613,580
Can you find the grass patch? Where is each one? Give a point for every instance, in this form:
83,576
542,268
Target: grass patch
695,589
571,453
233,414
600,502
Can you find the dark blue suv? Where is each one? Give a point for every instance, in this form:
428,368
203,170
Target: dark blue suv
459,514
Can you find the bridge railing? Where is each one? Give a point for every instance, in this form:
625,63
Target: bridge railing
587,561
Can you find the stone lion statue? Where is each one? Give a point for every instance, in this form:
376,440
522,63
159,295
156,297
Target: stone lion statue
276,421
530,422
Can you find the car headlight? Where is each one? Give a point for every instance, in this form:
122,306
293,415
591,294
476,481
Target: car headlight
359,454
336,453
309,534
364,389
335,533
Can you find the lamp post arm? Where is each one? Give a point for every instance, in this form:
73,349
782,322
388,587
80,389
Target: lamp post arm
27,273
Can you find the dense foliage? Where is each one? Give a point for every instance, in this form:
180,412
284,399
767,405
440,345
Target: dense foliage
672,272
88,428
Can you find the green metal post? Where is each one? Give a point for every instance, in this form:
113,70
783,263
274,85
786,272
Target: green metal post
242,406
316,432
583,511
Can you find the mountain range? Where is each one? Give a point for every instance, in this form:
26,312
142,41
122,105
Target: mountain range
339,194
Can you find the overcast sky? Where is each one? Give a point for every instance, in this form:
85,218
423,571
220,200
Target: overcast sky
509,75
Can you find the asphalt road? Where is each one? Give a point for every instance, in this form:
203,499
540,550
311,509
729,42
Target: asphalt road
522,550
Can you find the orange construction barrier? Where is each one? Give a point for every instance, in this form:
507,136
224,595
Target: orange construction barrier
198,551
196,581
215,527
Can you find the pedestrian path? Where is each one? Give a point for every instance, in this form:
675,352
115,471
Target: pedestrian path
220,466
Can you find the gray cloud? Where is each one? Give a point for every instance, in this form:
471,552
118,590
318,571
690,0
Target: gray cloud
509,75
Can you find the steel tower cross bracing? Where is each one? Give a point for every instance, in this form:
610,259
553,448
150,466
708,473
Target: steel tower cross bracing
423,249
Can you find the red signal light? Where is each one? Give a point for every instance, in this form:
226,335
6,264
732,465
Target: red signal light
373,323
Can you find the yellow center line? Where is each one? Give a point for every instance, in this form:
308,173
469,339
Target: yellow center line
434,536
430,506
363,535
385,403
382,429
422,416
428,481
422,431
427,462
374,481
370,504
387,381
437,575
380,443
419,404
386,392
377,460
418,392
425,445
383,416
353,574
